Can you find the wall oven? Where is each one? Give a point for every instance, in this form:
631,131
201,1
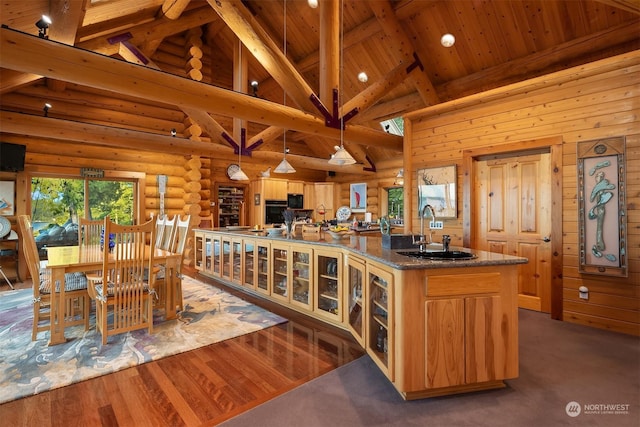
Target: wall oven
273,211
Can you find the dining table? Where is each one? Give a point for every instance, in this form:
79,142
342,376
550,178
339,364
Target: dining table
89,258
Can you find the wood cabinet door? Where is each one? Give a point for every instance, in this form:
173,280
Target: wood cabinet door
445,343
275,189
513,207
485,350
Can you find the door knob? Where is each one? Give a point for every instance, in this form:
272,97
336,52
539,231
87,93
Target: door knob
546,239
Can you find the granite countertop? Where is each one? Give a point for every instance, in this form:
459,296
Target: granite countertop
369,245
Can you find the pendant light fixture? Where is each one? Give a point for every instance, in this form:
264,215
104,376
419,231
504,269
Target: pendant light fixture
239,175
285,166
341,156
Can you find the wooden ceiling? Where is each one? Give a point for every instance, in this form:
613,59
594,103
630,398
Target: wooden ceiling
203,89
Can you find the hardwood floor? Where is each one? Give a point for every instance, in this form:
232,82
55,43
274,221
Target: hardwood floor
201,387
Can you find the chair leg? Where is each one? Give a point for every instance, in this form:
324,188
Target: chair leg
103,322
87,311
36,320
179,295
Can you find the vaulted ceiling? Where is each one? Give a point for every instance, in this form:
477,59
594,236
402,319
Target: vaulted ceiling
195,60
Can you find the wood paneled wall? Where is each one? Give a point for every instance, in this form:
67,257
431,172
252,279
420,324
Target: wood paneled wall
598,100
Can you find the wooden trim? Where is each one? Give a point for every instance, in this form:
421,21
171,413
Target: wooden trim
469,159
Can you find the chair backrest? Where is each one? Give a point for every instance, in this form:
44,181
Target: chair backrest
206,221
181,234
30,250
90,231
167,233
159,229
125,264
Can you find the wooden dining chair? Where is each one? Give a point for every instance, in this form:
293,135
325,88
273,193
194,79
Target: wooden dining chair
181,237
123,298
177,245
77,304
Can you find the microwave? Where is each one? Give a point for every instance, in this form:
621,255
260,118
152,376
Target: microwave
295,201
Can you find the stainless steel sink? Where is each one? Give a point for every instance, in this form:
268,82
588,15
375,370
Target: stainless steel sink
442,255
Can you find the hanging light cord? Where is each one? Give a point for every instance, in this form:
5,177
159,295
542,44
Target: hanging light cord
284,100
340,97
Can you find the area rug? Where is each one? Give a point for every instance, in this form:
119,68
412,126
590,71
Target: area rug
30,367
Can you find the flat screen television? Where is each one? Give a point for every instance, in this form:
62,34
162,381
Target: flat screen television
12,157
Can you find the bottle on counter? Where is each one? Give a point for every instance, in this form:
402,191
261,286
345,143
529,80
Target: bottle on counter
355,223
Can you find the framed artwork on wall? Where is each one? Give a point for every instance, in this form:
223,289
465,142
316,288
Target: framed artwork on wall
601,207
7,199
358,197
437,187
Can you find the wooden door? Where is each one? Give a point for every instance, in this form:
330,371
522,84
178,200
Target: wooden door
513,206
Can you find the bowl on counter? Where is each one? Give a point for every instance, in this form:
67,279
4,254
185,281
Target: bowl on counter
337,235
276,231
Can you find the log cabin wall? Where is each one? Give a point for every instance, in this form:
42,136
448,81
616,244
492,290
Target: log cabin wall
598,100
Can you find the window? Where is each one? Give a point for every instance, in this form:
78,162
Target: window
57,203
393,126
395,202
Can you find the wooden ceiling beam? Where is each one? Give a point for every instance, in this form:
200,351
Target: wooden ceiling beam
403,49
66,17
329,50
57,129
372,94
215,131
26,53
49,127
172,9
265,50
632,6
157,29
11,80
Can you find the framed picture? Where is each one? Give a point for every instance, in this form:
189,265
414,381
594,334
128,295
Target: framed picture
256,199
437,187
601,207
358,197
7,201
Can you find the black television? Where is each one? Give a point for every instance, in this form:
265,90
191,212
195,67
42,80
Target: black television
12,157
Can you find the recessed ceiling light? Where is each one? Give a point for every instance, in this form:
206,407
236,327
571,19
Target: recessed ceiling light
363,77
447,40
313,3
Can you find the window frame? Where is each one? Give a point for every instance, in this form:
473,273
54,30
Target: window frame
138,179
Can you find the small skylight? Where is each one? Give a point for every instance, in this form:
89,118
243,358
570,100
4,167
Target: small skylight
394,126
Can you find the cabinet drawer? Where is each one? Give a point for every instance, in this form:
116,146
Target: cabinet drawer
463,284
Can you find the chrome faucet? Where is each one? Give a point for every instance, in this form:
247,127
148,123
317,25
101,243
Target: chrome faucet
423,238
446,241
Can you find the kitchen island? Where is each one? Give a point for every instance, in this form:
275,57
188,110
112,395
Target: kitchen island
434,327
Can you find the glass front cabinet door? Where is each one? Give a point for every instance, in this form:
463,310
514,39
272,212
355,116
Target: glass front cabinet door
301,275
236,261
249,264
328,280
198,254
262,277
354,297
280,271
380,336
